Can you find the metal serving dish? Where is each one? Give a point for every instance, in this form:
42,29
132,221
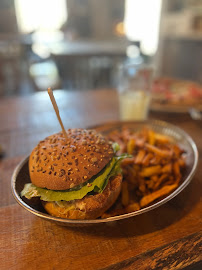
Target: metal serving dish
21,173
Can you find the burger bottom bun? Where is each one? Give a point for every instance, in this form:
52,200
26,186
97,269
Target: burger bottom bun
90,207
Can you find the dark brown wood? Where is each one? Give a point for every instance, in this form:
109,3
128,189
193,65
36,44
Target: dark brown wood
169,237
176,255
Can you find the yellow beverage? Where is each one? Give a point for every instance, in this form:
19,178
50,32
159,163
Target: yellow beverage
134,105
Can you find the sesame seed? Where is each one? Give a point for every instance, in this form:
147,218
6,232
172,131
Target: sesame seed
94,159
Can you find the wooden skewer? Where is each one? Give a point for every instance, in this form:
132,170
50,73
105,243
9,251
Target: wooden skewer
50,92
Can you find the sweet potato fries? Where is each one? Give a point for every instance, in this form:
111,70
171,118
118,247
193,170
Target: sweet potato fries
153,171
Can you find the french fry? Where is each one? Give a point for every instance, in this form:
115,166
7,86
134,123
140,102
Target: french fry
140,156
181,162
158,151
176,150
154,178
132,207
149,171
153,172
132,175
150,184
162,139
128,161
157,194
130,146
167,168
160,180
142,185
151,137
147,158
156,160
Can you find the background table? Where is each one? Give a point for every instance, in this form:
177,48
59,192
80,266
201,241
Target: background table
169,237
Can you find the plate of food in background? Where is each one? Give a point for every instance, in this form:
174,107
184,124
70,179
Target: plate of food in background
161,160
175,95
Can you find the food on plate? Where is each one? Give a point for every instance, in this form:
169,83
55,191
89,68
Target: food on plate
153,172
171,91
75,177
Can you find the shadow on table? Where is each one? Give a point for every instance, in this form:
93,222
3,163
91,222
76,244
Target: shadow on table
152,221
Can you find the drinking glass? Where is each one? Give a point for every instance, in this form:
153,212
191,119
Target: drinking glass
134,85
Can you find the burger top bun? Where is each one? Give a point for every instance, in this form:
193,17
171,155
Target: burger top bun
58,163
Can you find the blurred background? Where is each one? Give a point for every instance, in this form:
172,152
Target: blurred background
78,44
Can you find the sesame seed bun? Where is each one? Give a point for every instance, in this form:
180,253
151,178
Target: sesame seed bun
58,163
91,206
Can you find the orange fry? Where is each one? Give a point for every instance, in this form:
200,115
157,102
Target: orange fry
151,137
167,168
159,152
147,158
181,162
160,138
130,146
127,161
160,180
132,207
157,194
149,171
140,156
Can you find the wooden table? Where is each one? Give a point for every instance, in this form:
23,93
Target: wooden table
168,237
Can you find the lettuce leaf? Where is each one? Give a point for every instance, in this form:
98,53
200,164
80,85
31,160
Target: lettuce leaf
96,184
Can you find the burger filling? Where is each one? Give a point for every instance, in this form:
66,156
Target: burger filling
94,185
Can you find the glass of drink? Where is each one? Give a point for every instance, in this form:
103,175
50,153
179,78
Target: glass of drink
134,84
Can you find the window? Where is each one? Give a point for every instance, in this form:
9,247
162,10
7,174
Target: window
141,23
40,15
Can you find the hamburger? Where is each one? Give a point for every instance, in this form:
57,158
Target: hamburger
75,177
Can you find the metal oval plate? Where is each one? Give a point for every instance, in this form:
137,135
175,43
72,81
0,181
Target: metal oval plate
21,173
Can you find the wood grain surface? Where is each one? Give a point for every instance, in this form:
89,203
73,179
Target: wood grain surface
169,237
